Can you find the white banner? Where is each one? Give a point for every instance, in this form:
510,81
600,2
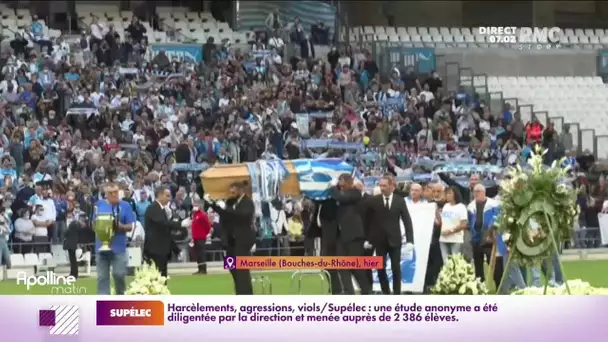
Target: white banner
82,111
603,219
413,265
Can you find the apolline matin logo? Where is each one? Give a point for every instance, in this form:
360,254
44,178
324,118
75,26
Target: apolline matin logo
60,319
58,284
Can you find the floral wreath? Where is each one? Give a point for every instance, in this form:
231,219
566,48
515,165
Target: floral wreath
537,210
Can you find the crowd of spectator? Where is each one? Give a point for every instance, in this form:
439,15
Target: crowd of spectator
75,116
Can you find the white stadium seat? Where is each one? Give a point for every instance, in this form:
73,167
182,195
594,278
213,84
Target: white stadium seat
31,259
60,256
47,261
19,265
558,96
17,260
190,25
470,37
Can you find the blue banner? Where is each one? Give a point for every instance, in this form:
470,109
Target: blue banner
261,53
602,63
317,114
192,53
189,167
320,115
334,144
341,145
393,104
422,59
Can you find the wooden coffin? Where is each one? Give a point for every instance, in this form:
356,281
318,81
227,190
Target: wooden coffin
216,180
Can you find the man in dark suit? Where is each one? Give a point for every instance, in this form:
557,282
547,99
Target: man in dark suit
351,235
325,219
389,210
307,48
435,260
158,226
70,242
236,219
367,215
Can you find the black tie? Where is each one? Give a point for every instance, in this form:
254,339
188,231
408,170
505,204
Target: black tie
387,204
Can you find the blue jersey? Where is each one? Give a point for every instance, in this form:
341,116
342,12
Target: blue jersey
125,216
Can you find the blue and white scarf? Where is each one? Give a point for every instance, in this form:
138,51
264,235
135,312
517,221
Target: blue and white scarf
266,177
315,175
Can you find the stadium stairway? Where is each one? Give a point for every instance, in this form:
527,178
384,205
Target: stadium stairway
539,103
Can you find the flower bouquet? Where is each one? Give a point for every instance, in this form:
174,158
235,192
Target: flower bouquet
148,281
577,288
457,277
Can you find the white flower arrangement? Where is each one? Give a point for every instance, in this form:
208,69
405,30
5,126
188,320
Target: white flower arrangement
148,281
537,210
457,277
577,288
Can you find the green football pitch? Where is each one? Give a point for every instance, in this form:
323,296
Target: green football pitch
592,271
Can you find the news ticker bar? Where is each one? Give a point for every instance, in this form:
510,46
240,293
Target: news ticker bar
294,263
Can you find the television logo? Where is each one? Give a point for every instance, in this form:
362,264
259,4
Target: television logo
524,38
59,284
60,319
229,263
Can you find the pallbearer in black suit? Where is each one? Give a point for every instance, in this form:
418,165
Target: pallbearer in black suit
389,210
236,218
351,234
325,219
367,215
158,225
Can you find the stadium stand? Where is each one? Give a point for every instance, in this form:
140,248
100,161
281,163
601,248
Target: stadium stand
190,26
253,14
560,96
465,37
18,19
553,97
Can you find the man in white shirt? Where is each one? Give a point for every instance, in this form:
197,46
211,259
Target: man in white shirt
277,43
98,32
428,96
10,68
60,50
415,196
32,39
8,84
50,212
24,229
41,232
29,36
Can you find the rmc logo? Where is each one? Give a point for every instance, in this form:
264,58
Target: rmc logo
539,38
